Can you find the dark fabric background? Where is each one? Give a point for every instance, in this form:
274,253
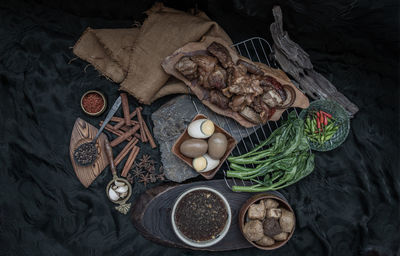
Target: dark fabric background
348,206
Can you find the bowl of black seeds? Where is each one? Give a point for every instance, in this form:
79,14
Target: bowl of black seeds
201,216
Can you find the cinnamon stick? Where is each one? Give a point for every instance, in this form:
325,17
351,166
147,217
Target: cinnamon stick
125,108
126,128
125,135
122,122
111,129
149,136
130,161
141,122
116,119
125,151
137,135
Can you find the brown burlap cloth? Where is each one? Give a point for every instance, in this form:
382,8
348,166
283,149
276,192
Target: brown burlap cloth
133,56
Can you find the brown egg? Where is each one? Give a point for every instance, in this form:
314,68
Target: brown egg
193,148
217,145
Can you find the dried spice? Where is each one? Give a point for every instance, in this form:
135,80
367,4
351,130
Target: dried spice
92,102
137,171
129,177
144,179
144,160
201,215
153,178
145,171
161,175
85,154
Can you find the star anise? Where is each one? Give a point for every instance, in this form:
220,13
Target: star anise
153,178
130,178
144,179
144,160
150,168
137,171
161,175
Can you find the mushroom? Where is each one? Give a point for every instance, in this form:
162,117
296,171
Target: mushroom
287,221
271,227
256,211
270,203
273,213
265,241
253,230
281,236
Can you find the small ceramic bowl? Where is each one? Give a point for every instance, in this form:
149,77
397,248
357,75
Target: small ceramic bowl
104,103
254,199
185,135
207,243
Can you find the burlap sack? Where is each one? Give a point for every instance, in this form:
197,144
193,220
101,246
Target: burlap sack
118,43
164,31
107,50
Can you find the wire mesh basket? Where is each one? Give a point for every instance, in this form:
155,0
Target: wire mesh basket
342,120
256,49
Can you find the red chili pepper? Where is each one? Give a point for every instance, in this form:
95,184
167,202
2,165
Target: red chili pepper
325,121
326,114
321,116
318,123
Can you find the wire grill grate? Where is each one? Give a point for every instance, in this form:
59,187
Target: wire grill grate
256,49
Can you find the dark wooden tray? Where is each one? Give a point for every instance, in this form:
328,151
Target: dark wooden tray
151,215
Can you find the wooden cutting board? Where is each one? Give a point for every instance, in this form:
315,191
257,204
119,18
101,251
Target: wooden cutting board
151,215
81,133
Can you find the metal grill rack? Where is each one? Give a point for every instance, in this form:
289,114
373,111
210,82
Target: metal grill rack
256,49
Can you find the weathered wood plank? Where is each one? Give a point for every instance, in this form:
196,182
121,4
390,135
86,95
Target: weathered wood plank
296,62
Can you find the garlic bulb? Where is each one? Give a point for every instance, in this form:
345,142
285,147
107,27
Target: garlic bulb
122,189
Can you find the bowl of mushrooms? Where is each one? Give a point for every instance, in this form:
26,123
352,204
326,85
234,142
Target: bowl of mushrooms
267,221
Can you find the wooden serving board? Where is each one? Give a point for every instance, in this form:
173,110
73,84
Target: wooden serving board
81,133
151,215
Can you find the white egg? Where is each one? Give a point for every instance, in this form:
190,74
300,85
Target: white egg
201,129
204,163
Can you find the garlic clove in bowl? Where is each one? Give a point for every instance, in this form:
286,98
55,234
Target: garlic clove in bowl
113,195
122,189
119,183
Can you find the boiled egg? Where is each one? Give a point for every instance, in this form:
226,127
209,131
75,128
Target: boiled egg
204,163
201,129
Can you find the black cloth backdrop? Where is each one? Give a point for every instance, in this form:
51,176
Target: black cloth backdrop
349,205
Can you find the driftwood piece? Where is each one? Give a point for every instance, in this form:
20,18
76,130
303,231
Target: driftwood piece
151,215
296,62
